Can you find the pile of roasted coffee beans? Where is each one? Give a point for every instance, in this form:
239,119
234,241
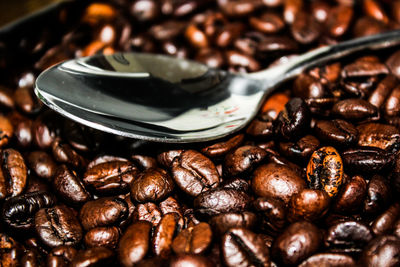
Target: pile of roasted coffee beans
314,180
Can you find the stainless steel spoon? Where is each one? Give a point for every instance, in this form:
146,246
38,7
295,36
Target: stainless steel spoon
166,99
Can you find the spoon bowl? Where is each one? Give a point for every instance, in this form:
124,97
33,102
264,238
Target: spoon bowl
166,99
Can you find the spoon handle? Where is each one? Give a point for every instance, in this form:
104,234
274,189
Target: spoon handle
275,75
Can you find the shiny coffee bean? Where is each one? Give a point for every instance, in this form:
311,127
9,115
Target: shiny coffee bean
299,241
364,67
147,212
382,90
308,86
378,194
105,211
325,170
378,135
42,164
276,181
351,196
151,185
305,29
348,236
237,184
134,243
193,240
194,173
63,153
366,159
309,205
102,237
170,204
96,256
354,109
243,159
69,186
241,247
58,226
300,150
222,148
273,212
329,259
385,222
164,234
26,101
336,132
110,176
224,221
382,251
144,162
220,200
13,173
18,212
294,119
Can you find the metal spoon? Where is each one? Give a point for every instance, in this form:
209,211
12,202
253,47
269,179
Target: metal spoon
166,99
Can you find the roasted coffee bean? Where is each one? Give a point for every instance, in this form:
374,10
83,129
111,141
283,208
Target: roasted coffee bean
110,176
194,173
151,185
220,200
300,150
243,159
61,256
166,158
64,153
69,186
238,8
276,181
386,221
336,132
309,205
212,58
96,256
392,104
222,148
305,29
147,212
378,135
273,212
382,251
364,66
366,159
6,97
13,173
145,10
239,62
261,128
294,119
134,243
299,241
105,211
190,260
32,258
237,184
351,196
308,86
329,259
382,90
102,237
325,170
42,164
164,234
45,128
268,22
193,240
348,236
354,109
18,212
58,226
23,133
241,247
339,19
170,204
224,221
6,131
25,100
378,194
145,162
291,9
11,251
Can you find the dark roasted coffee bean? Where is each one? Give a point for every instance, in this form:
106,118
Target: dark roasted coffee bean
276,181
42,164
378,135
18,212
382,90
147,212
336,132
273,212
166,158
325,170
222,148
61,256
105,211
268,22
308,86
69,186
243,159
373,9
102,237
224,221
6,97
13,173
190,260
164,234
348,236
294,119
364,67
193,240
351,195
220,200
378,194
299,241
305,29
238,8
145,10
354,109
291,9
366,159
329,259
170,204
339,19
261,128
58,226
392,104
194,173
151,185
64,153
241,247
237,184
300,150
382,251
32,258
110,176
45,128
23,132
26,101
393,64
134,243
239,62
145,162
276,44
386,221
211,57
309,205
96,256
